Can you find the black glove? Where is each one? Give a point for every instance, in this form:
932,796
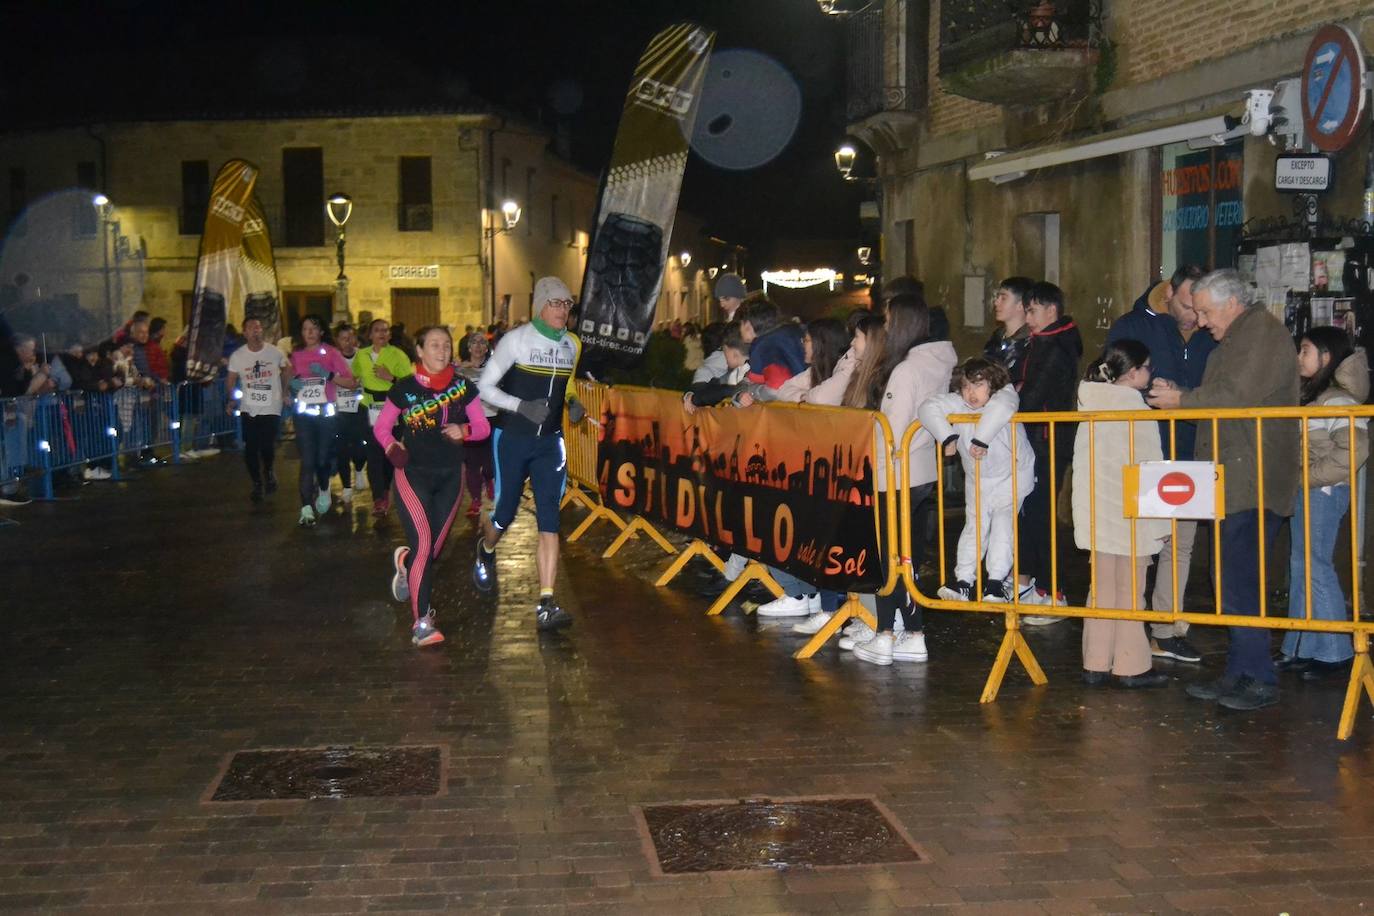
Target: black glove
576,412
534,411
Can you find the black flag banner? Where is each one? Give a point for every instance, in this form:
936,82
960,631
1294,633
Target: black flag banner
634,221
217,268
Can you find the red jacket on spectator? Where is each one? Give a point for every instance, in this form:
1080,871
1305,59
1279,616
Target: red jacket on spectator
158,365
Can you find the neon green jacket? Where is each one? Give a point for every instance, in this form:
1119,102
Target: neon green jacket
393,359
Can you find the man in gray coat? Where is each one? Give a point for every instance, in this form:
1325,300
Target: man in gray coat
1255,365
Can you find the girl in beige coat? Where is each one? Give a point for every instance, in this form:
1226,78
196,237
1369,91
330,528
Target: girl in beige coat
1115,647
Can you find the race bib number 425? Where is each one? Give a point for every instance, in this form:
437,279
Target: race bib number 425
312,393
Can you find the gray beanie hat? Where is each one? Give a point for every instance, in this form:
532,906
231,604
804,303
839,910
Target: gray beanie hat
730,286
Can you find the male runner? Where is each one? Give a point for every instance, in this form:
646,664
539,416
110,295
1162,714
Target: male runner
527,380
258,374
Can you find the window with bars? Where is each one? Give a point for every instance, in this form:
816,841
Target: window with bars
416,210
302,171
195,195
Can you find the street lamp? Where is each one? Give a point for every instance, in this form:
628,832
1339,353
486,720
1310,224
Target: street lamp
844,159
510,218
865,255
103,209
339,207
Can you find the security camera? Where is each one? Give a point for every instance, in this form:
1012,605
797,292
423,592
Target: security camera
1257,115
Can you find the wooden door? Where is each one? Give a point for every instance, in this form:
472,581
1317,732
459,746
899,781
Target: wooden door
415,308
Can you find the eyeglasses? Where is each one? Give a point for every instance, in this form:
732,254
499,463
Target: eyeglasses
563,304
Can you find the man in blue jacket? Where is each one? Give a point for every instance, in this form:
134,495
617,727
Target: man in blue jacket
1163,319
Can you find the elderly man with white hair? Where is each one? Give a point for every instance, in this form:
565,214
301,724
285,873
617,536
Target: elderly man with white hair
1255,365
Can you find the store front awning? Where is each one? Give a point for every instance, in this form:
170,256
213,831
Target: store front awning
1193,126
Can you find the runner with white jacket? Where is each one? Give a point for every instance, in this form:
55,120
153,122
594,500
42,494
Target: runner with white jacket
985,448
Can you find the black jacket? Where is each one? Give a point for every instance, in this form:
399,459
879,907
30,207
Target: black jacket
1010,352
1051,380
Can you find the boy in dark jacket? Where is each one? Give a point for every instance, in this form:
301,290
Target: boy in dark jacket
775,347
1051,384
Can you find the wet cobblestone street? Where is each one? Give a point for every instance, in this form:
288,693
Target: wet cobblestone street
153,629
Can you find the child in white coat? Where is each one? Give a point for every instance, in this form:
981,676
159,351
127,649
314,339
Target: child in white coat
1115,651
985,449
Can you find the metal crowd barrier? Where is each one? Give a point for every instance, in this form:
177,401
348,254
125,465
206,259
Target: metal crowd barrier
41,435
585,489
1014,643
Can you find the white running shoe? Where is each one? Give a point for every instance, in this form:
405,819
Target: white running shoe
876,651
857,632
812,625
307,519
346,495
400,583
910,647
95,474
786,606
734,567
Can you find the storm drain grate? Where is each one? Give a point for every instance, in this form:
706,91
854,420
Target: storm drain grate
330,772
783,833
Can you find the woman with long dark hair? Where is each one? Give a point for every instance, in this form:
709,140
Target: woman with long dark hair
423,427
318,369
912,368
1334,374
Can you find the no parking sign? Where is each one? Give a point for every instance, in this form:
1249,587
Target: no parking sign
1174,489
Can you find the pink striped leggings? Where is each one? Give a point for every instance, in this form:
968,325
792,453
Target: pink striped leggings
427,500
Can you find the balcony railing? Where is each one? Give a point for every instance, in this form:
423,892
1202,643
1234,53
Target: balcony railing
887,69
972,31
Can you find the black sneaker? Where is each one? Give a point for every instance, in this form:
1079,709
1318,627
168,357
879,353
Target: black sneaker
271,483
1249,695
1175,647
484,569
549,616
1213,690
256,495
995,592
16,498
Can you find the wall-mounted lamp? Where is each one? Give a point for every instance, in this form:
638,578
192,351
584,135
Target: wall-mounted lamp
510,218
865,255
844,159
685,258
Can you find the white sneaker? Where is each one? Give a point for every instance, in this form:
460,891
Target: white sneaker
857,632
1037,620
734,567
812,625
346,494
95,474
786,606
910,647
876,651
208,452
307,519
813,603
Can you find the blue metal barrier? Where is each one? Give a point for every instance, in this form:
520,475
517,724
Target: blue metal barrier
44,434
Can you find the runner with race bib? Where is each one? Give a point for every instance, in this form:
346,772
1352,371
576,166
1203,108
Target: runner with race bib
378,368
354,430
422,429
317,366
257,373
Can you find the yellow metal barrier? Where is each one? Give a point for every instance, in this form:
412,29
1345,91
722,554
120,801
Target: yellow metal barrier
581,440
1014,643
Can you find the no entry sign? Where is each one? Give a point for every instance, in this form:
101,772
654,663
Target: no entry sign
1174,489
1333,88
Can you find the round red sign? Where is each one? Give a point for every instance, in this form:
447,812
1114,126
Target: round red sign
1176,488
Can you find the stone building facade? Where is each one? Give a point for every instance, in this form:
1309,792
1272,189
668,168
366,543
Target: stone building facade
426,241
937,87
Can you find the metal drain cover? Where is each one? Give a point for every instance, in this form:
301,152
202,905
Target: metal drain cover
330,772
774,833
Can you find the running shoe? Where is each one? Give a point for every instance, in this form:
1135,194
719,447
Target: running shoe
959,591
484,569
549,616
271,483
812,625
400,583
346,495
16,498
307,519
425,633
256,494
322,503
380,507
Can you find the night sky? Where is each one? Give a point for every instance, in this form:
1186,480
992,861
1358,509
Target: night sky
65,62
